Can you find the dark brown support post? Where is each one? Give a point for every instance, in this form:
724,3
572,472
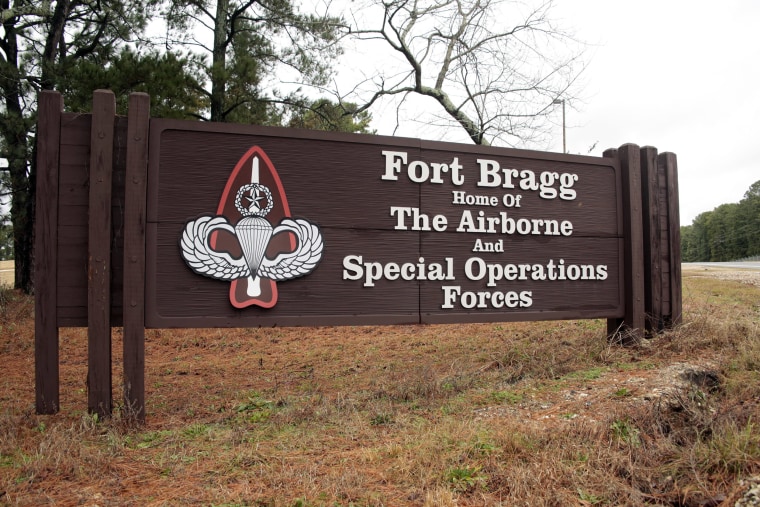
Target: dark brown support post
669,164
631,328
135,200
653,304
46,378
99,399
614,325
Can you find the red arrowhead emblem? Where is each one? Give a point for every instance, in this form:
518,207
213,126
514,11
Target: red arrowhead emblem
254,167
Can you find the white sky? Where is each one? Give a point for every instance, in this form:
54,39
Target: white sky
683,76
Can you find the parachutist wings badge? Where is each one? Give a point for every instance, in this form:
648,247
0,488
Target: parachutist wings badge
239,244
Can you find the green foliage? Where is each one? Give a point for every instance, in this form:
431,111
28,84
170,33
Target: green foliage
168,78
590,374
381,419
326,115
465,479
589,498
729,232
624,431
509,397
255,47
6,238
40,46
732,451
255,409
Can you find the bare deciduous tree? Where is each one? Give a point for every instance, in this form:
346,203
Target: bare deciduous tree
493,67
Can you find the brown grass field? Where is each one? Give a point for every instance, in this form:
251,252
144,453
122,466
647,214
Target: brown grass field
459,415
6,274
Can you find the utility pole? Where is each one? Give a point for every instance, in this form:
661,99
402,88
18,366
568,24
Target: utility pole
564,137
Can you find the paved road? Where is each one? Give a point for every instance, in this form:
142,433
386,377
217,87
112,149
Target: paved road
730,265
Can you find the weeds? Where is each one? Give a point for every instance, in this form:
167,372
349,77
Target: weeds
624,431
589,498
507,397
381,420
590,374
464,479
729,450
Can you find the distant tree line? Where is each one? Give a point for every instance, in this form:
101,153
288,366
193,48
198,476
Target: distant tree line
729,232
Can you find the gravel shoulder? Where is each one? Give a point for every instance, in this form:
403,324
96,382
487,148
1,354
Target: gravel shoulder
747,276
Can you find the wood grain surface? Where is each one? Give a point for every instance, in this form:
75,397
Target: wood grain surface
340,182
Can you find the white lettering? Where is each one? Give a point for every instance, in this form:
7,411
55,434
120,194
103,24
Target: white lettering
492,175
547,181
461,197
566,191
401,213
453,295
477,269
511,201
528,180
474,268
355,268
352,267
457,178
504,224
420,176
419,221
393,160
488,246
419,171
450,294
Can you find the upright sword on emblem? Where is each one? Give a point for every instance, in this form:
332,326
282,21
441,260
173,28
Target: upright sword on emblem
253,230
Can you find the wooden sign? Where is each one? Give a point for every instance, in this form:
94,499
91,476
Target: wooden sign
163,223
392,230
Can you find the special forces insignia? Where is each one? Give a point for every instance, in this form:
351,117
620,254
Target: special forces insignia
252,254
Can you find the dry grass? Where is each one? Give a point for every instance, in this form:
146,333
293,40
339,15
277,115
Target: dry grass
507,414
6,274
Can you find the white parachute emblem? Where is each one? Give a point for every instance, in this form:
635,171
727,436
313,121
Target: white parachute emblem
253,233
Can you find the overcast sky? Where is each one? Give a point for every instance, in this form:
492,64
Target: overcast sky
683,76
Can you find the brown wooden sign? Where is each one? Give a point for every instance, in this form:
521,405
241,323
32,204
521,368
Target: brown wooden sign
163,223
409,231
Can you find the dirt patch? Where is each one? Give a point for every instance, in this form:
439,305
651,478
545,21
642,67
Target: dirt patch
747,276
587,395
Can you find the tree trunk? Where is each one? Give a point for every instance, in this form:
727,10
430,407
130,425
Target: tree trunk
22,194
22,213
219,62
15,133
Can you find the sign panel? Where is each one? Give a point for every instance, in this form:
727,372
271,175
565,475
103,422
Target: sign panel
251,226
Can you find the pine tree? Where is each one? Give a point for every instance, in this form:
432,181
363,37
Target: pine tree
58,45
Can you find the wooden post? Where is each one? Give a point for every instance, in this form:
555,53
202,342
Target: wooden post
630,329
46,377
615,325
652,214
669,164
99,399
135,200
